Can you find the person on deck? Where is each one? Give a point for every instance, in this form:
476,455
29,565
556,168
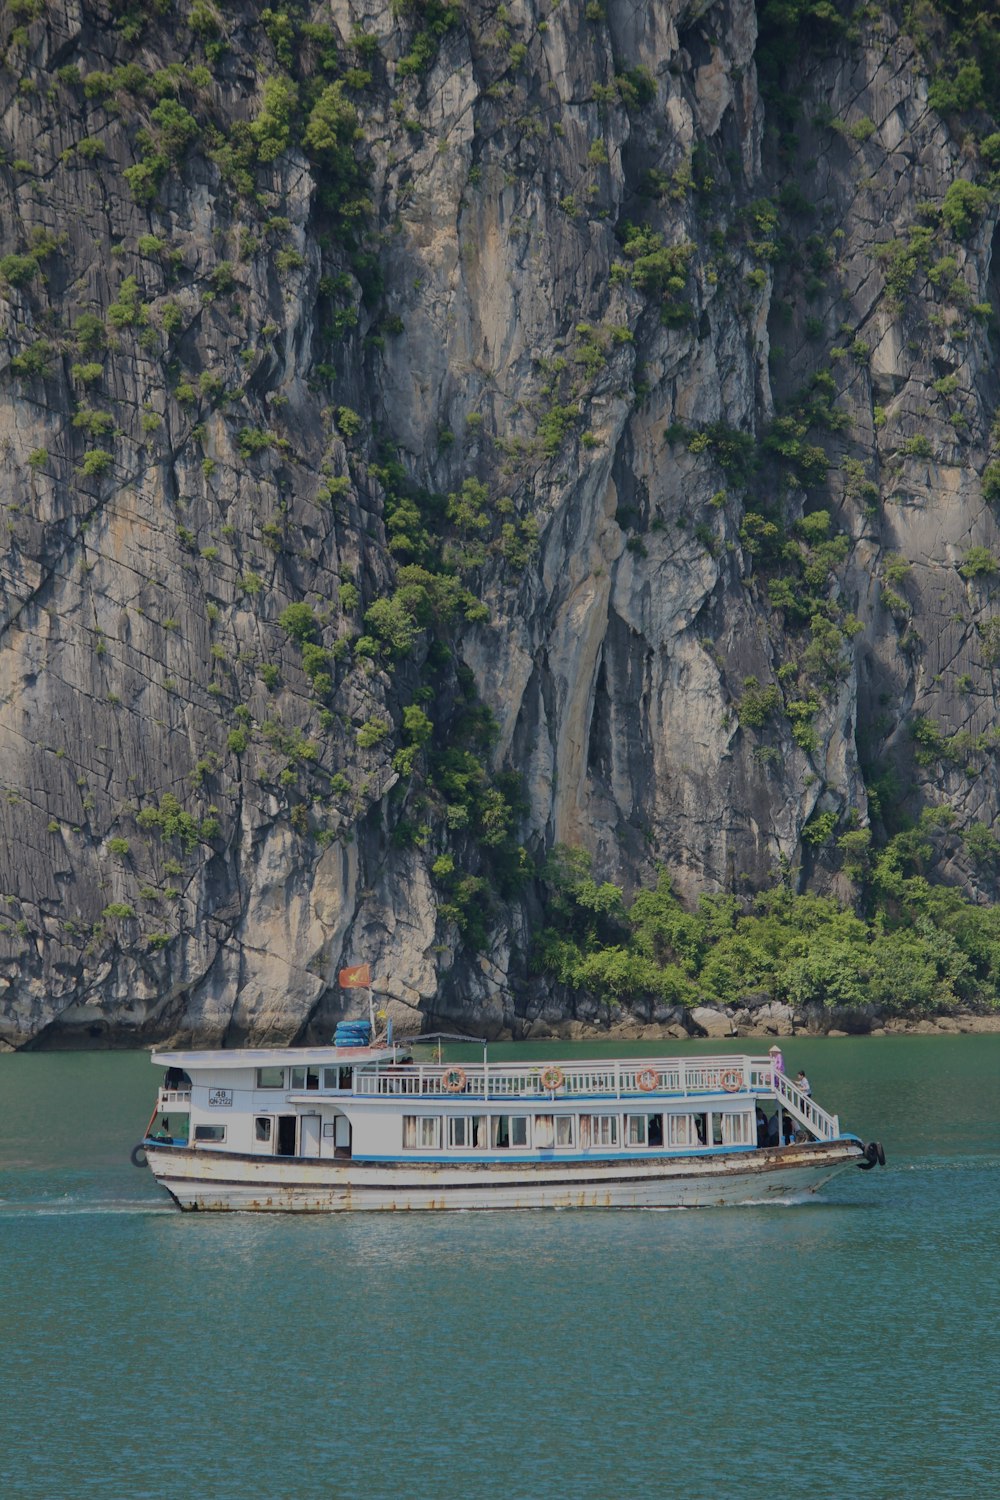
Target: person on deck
761,1127
802,1083
777,1061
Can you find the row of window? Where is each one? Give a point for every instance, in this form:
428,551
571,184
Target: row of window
482,1132
305,1078
545,1132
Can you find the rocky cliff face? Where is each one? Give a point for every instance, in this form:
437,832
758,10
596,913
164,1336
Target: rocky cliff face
599,423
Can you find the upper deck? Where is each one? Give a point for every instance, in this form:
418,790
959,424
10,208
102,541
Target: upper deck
382,1075
604,1078
223,1059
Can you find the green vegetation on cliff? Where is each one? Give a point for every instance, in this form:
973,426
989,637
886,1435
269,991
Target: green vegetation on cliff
911,946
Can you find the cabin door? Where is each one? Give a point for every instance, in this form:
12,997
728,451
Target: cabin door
310,1127
286,1135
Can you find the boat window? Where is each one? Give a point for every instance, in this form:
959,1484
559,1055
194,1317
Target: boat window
421,1132
336,1078
716,1130
210,1132
468,1132
654,1130
270,1078
603,1130
305,1078
545,1131
510,1130
635,1126
565,1133
680,1130
739,1130
262,1128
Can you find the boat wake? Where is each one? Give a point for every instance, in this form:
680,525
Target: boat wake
789,1200
22,1209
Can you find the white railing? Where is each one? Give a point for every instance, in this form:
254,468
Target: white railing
804,1108
679,1077
174,1098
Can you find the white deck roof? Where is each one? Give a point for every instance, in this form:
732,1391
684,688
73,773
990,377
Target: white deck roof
275,1057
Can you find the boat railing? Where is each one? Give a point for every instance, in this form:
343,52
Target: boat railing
803,1107
174,1098
638,1077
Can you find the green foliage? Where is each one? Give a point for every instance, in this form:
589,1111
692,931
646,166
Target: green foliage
128,310
757,704
271,131
330,134
252,440
176,128
18,270
372,733
392,622
144,178
787,29
982,846
299,621
86,374
900,260
979,562
34,361
820,828
349,423
436,20
96,461
172,822
956,93
964,204
658,269
991,482
858,130
920,945
118,846
555,425
119,909
417,731
96,424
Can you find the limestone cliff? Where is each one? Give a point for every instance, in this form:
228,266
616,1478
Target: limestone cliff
561,385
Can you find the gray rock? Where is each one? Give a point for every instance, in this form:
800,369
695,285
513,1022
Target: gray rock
140,640
710,1022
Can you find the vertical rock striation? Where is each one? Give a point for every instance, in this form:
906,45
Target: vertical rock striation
492,341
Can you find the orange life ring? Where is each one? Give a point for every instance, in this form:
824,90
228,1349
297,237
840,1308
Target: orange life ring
454,1080
648,1080
731,1080
552,1078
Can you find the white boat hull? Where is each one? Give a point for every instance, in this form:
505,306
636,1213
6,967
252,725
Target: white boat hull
216,1180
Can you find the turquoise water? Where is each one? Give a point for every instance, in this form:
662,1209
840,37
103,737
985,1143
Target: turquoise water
845,1348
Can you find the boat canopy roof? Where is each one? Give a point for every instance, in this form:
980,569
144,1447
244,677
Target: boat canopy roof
276,1057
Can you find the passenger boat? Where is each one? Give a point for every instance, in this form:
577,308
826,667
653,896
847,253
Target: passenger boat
323,1129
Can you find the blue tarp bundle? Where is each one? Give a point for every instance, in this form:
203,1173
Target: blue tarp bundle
353,1034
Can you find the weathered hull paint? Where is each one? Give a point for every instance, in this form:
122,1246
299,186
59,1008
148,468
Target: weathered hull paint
211,1180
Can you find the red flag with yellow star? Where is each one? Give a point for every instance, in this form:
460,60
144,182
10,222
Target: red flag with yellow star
358,978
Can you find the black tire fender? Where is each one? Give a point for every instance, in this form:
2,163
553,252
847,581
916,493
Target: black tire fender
138,1155
881,1153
